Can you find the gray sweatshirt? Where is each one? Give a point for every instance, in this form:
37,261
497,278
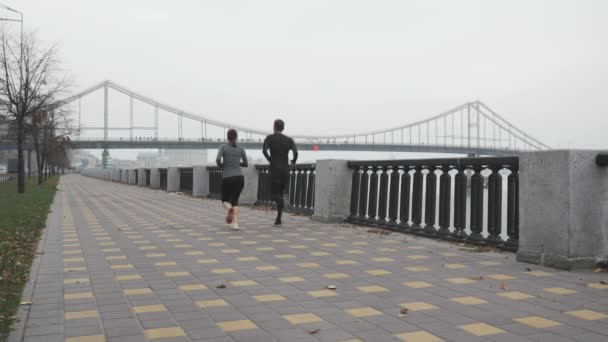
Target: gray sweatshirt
231,158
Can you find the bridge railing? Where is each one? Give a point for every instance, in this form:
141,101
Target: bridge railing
215,181
467,199
301,190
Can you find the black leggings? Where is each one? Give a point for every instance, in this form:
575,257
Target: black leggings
232,188
279,185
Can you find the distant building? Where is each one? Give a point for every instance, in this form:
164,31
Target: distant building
170,157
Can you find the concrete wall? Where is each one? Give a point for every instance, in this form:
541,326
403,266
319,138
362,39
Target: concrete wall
124,176
132,176
563,209
200,181
172,179
332,190
154,178
141,177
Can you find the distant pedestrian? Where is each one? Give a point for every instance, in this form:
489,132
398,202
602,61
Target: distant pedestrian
231,158
279,146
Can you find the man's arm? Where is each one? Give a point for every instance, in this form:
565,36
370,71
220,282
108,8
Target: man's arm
294,150
218,159
265,148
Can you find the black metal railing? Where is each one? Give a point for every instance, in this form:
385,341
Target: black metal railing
163,178
136,176
301,190
215,181
464,199
147,177
601,159
185,179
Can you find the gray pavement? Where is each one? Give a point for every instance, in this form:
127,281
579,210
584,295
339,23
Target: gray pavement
123,263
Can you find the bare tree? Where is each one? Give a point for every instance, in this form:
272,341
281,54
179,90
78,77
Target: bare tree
30,82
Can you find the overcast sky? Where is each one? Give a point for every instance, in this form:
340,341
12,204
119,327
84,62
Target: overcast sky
346,65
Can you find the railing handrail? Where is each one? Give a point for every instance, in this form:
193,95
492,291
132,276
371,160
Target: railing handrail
305,166
214,168
511,162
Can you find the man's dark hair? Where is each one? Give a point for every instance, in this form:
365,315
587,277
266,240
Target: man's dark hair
232,135
279,125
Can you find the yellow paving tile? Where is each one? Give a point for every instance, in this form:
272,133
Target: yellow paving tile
383,259
244,283
155,255
537,322
72,252
378,272
449,254
230,251
322,293
121,267
298,247
346,262
73,259
291,279
192,287
247,259
285,256
75,280
74,269
165,263
194,253
265,249
454,266
417,269
500,277
363,312
372,289
308,265
418,336
538,273
135,292
147,248
78,295
355,251
461,280
481,329
336,276
588,315
240,325
489,263
598,286
417,284
319,254
266,268
214,303
207,261
149,308
302,318
418,306
128,277
269,298
154,334
80,314
468,300
177,274
559,290
116,257
515,295
417,257
88,338
223,270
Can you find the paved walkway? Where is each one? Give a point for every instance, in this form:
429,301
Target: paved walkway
123,263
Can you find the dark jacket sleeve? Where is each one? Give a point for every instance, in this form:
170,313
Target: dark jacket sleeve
294,149
266,147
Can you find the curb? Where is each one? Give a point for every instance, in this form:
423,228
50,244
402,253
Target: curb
23,311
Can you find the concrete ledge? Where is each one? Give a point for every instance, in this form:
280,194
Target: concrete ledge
556,261
332,219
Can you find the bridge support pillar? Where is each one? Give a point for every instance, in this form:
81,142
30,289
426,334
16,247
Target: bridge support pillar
132,174
154,178
332,190
563,209
200,181
173,179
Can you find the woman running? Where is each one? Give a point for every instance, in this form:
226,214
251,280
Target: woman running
231,158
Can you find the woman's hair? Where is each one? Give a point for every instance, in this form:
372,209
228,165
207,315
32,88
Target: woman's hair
232,135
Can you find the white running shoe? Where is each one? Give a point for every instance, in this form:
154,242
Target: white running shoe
235,226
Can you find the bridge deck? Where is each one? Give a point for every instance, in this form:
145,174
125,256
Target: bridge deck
123,263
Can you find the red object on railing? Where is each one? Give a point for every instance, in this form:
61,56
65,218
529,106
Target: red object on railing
315,147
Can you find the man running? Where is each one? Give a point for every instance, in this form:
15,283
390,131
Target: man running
279,146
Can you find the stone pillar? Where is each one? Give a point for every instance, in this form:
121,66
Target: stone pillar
200,181
132,176
141,177
154,178
124,176
173,179
250,193
563,209
332,190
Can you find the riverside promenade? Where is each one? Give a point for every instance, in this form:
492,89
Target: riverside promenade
126,263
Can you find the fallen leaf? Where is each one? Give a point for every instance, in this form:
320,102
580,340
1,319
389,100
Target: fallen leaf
528,269
603,282
476,278
221,286
314,331
331,287
25,302
503,286
404,311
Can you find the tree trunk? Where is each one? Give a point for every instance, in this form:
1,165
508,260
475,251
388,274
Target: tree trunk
20,164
